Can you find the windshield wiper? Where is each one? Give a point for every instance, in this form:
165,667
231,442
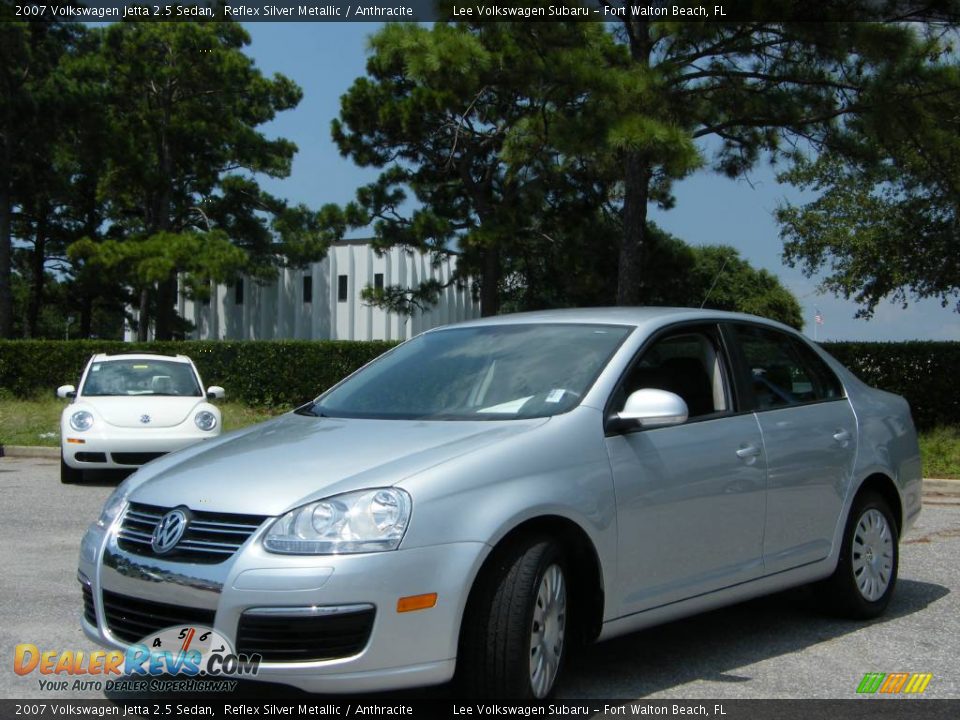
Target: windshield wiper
311,409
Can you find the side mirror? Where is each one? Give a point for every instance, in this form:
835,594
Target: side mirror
651,408
215,392
66,391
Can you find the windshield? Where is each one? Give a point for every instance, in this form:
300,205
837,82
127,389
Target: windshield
478,373
141,377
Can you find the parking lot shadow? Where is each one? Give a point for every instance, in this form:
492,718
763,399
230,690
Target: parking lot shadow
704,647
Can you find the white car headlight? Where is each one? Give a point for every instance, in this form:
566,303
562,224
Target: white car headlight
355,522
205,420
81,420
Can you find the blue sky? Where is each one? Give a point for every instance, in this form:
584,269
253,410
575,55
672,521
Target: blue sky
325,58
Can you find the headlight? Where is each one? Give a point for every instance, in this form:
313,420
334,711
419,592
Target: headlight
205,420
114,505
356,522
81,420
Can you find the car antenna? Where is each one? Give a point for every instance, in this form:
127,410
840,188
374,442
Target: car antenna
715,279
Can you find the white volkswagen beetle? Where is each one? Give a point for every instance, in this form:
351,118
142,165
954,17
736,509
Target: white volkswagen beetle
132,408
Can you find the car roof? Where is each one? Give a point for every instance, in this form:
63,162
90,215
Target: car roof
107,357
649,317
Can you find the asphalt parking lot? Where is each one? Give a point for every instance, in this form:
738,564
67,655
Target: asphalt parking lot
776,647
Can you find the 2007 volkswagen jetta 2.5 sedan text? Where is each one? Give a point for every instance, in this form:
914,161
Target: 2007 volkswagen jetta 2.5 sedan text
485,496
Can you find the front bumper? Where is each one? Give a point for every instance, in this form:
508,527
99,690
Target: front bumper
404,649
125,443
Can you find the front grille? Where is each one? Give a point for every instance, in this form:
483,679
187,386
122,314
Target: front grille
141,458
209,537
132,619
88,612
303,639
90,457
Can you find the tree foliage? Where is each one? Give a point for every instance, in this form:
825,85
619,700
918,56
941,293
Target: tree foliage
184,110
886,219
35,176
485,139
527,144
758,89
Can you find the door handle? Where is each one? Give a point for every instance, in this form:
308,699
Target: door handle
841,436
748,451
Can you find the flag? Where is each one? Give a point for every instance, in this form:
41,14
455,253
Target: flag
818,318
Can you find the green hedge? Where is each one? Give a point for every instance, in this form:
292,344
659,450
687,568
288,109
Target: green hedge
923,372
278,373
286,373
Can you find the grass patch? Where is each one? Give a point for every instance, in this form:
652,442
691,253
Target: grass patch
940,450
37,422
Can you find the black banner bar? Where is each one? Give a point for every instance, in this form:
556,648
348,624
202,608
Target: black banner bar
874,708
484,10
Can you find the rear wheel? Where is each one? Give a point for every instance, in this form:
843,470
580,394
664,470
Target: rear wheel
514,641
866,574
69,475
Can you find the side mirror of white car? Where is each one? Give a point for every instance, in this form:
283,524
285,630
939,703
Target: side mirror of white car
652,408
215,392
66,391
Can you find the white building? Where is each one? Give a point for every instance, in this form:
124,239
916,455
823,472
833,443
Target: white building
322,301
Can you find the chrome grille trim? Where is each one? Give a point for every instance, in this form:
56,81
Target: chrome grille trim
209,537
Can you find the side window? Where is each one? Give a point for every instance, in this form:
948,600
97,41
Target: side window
826,385
783,371
686,363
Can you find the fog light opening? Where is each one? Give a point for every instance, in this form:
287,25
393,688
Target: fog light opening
416,602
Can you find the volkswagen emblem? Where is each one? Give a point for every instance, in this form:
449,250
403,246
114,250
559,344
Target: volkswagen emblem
144,419
168,532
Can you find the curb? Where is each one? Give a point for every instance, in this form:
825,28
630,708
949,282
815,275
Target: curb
28,451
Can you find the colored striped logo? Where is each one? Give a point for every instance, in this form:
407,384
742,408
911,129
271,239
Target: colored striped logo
910,683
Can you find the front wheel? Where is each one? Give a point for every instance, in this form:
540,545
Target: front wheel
866,574
515,630
69,475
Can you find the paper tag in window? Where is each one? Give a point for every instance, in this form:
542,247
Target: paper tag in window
555,395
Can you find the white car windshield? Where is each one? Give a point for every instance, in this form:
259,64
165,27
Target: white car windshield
478,373
141,377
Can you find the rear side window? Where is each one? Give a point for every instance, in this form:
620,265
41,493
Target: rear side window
783,370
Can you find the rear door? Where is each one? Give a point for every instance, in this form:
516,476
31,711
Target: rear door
809,438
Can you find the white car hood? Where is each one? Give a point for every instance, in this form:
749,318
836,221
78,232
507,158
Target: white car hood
128,411
283,463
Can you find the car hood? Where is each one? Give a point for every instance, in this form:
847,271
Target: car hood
128,411
294,459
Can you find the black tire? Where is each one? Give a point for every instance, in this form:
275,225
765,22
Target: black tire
496,645
69,475
841,593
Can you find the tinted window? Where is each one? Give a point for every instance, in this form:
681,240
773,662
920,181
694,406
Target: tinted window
783,371
238,293
480,373
342,288
687,364
308,288
141,377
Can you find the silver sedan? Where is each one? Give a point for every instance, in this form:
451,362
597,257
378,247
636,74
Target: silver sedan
479,500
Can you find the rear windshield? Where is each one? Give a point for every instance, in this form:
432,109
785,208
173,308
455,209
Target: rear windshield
141,377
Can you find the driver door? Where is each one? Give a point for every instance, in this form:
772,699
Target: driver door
690,497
